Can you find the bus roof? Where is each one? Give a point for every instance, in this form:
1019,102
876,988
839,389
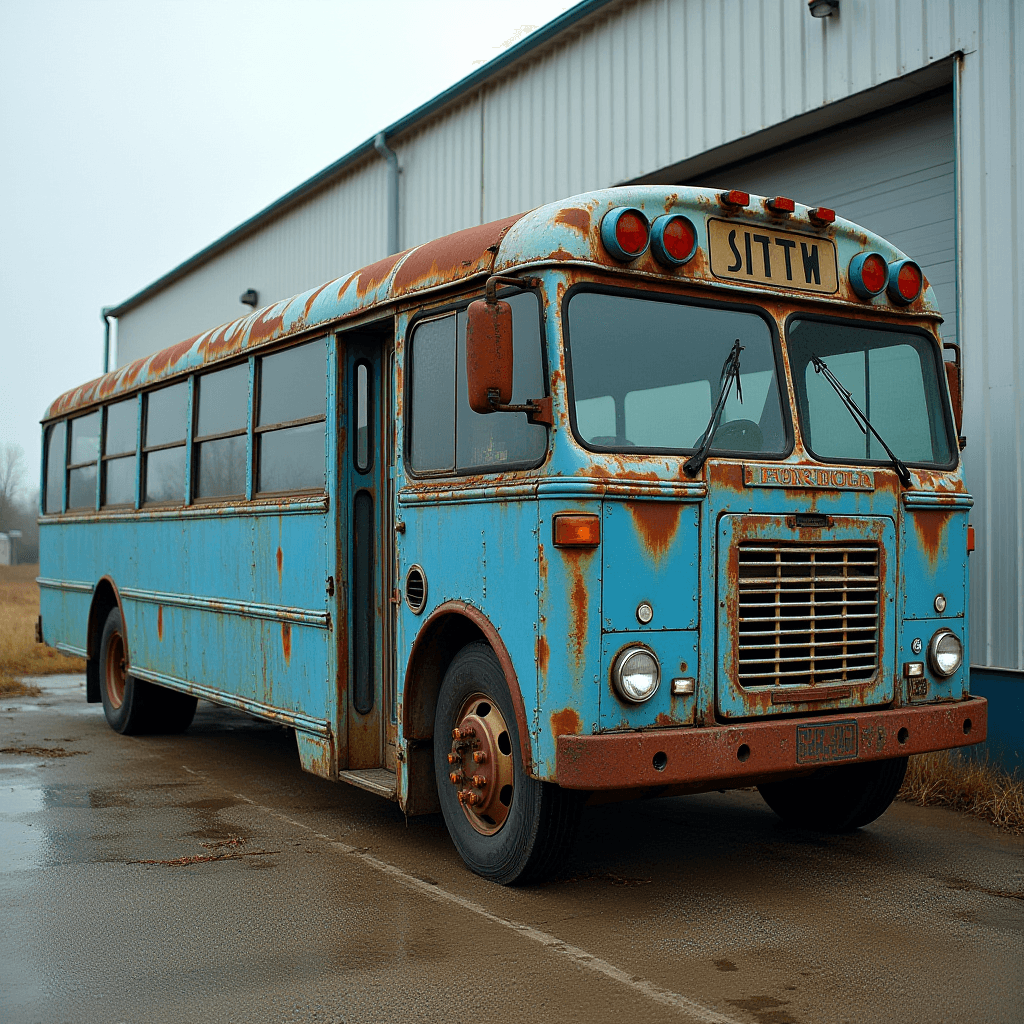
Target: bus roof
566,232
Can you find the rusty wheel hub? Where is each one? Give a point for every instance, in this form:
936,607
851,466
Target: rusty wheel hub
115,670
481,764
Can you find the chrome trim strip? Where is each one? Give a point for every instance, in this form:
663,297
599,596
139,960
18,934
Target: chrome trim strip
51,584
304,723
76,652
224,606
287,508
937,499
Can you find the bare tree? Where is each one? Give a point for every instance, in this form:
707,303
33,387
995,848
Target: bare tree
12,472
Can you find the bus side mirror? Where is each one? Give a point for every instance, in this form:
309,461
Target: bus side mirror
489,355
955,380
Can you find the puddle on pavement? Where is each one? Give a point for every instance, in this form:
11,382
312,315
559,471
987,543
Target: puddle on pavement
21,842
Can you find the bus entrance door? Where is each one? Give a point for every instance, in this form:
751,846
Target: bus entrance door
368,531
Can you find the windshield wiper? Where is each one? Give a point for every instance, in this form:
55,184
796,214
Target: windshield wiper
859,418
730,373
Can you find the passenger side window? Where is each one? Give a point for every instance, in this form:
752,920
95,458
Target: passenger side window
82,455
164,444
53,500
221,425
120,436
291,420
444,432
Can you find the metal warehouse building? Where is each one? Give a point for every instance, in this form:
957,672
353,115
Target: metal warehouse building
903,115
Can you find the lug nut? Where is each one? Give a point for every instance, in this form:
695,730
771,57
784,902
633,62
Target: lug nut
452,758
480,756
479,781
456,777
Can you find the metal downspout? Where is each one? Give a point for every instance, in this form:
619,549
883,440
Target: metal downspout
380,144
105,314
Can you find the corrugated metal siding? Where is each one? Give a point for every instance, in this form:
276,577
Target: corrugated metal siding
644,86
992,283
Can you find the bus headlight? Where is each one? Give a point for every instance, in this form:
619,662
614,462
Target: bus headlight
636,674
945,652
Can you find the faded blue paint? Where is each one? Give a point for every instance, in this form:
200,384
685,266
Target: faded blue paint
562,614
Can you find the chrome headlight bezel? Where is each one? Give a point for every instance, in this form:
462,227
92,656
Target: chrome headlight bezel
618,674
933,653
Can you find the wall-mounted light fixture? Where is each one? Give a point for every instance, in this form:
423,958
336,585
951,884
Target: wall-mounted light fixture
250,298
823,8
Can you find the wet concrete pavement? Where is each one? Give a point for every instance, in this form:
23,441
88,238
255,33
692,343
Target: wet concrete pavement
323,904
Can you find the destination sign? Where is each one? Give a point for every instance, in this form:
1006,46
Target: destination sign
816,477
761,255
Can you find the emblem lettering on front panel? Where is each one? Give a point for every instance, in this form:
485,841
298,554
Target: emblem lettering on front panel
761,255
816,477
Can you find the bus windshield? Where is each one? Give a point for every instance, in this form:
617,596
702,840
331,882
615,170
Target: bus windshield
892,375
647,374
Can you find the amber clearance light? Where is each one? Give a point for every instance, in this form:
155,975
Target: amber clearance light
577,531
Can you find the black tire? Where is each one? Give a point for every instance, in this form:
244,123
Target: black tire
839,798
533,840
133,706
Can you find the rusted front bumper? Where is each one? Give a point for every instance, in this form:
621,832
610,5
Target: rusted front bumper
757,749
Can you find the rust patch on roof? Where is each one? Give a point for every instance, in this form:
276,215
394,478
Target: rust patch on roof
451,258
371,277
575,218
268,324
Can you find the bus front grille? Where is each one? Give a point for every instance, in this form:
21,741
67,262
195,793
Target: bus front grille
807,613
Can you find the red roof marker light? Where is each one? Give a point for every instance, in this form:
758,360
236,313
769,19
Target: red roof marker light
625,233
869,274
906,281
673,240
734,198
780,204
822,215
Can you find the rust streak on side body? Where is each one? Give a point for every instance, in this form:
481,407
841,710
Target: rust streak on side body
286,641
656,522
565,723
930,525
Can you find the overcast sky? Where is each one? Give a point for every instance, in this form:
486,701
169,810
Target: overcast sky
132,134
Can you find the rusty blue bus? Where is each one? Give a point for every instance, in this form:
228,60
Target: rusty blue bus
651,491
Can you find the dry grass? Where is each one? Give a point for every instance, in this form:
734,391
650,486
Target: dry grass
20,655
951,779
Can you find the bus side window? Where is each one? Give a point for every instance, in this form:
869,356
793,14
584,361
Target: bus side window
82,455
445,434
54,498
291,425
221,424
164,444
119,440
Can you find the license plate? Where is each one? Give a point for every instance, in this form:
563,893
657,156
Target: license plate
760,255
834,741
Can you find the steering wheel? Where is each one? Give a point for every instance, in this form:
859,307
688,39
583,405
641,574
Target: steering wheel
739,436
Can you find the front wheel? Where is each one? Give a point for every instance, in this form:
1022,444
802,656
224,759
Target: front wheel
132,706
507,827
839,798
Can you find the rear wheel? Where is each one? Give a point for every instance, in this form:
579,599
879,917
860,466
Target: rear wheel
507,827
132,706
839,798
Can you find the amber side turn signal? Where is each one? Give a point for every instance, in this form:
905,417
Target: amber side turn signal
577,531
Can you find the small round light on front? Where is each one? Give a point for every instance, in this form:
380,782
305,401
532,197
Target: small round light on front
905,282
869,274
636,674
644,613
625,233
940,603
673,240
945,652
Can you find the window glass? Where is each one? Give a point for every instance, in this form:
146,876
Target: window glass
647,374
82,487
432,412
362,417
292,459
293,384
119,481
166,415
220,467
85,439
54,468
165,475
223,399
893,376
485,440
121,427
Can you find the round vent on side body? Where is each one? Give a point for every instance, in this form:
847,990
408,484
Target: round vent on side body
416,589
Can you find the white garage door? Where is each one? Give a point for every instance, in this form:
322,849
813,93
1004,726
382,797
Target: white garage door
893,174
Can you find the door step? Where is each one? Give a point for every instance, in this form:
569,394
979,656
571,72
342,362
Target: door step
376,780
